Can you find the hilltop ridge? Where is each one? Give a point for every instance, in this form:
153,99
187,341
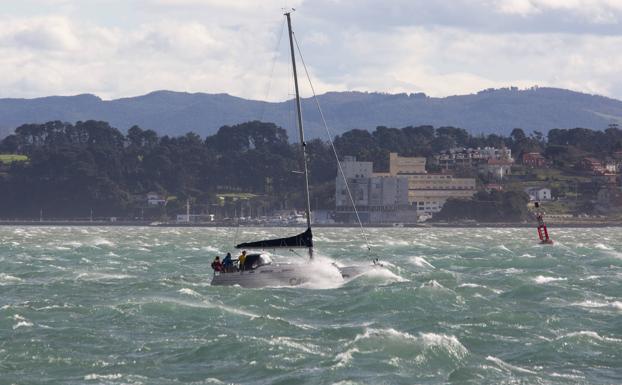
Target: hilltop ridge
175,113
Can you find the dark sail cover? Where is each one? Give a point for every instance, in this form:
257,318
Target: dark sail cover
301,240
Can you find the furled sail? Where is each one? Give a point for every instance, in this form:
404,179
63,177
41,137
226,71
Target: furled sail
301,240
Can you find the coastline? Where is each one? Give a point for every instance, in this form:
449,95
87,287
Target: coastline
77,223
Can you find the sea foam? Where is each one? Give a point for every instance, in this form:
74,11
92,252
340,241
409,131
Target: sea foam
541,279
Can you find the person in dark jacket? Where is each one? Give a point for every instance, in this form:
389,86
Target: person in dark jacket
227,263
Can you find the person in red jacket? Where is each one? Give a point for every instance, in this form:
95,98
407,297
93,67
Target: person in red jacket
217,265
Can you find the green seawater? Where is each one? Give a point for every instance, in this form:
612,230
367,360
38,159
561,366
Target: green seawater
110,305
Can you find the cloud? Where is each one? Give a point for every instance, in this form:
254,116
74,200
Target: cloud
445,61
47,33
398,46
597,11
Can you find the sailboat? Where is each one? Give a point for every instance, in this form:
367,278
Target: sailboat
258,270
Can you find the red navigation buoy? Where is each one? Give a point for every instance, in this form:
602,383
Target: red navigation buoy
543,233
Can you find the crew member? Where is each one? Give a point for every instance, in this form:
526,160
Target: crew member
241,260
216,264
227,263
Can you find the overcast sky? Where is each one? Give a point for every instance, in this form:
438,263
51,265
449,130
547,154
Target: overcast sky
119,48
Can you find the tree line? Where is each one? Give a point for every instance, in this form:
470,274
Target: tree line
75,168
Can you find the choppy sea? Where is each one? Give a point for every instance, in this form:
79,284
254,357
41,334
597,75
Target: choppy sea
112,305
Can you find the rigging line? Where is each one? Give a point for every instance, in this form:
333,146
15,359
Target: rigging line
237,231
332,144
237,226
269,88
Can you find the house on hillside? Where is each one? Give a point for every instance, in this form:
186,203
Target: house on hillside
611,166
155,199
539,193
493,187
496,168
592,165
533,160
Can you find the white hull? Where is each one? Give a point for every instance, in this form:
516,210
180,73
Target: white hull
279,275
265,276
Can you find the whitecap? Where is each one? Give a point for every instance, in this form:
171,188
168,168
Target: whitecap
211,249
527,255
22,324
451,343
476,286
102,242
288,342
6,279
95,376
568,376
432,284
472,285
602,246
428,340
504,248
507,366
421,262
590,334
386,275
344,358
393,242
596,304
189,292
542,279
212,380
101,276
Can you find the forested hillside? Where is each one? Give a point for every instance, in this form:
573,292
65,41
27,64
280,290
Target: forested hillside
67,170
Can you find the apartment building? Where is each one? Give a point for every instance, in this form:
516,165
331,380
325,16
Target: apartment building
429,192
379,198
402,194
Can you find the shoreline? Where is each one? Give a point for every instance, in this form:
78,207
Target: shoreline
78,223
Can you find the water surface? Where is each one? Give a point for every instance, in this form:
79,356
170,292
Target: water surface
108,305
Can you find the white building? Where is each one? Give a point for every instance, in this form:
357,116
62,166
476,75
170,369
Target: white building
539,193
155,199
378,198
497,169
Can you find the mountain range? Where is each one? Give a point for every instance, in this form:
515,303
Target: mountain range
176,113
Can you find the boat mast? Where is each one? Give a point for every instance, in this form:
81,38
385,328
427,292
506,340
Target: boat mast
303,144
